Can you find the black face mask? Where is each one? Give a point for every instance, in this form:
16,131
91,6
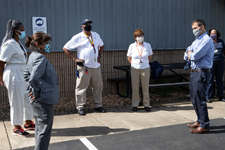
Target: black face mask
87,28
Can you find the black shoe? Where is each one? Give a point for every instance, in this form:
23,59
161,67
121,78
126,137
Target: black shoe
135,109
100,109
81,112
222,99
148,109
208,100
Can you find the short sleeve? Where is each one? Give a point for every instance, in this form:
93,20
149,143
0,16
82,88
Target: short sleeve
6,52
100,40
150,50
129,52
73,43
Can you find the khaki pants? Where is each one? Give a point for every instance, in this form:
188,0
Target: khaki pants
138,75
93,78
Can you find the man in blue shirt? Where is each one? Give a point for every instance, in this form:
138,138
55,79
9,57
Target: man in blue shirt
201,54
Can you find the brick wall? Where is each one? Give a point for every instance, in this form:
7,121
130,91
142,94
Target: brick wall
65,68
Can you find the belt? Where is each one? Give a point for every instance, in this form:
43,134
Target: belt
200,70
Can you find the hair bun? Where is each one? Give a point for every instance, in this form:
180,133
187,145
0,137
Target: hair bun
28,41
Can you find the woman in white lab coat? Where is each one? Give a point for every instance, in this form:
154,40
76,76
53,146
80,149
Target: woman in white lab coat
13,57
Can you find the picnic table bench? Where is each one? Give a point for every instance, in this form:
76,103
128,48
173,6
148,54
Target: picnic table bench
168,66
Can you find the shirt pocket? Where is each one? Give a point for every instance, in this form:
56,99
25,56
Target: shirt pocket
47,93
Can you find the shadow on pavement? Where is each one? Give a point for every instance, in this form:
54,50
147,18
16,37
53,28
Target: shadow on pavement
85,131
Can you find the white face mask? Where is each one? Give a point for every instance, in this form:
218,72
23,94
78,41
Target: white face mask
140,39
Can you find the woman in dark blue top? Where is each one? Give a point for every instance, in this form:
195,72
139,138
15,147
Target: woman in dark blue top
218,66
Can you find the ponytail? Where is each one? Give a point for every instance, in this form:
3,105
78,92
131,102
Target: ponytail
10,27
28,41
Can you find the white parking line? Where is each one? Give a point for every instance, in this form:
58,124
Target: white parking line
88,144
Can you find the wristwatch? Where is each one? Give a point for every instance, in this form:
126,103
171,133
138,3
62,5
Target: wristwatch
100,55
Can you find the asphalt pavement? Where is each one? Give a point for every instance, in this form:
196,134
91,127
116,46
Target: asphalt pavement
164,128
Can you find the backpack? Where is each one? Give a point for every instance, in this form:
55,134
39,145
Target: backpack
156,70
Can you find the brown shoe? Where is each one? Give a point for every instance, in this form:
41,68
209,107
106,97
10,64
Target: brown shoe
199,130
194,125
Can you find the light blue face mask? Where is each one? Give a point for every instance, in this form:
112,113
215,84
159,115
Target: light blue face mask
22,34
47,48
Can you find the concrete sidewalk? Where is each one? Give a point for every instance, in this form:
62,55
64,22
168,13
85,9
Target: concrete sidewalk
70,127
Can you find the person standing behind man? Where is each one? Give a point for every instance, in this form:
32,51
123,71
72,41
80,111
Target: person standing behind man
218,67
90,48
201,54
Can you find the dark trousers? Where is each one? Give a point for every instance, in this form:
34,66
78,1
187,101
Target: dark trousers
43,114
217,71
198,84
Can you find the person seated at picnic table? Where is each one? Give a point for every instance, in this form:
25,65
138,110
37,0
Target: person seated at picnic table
218,67
139,54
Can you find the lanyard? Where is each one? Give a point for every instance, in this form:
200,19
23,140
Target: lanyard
91,41
140,54
25,54
215,44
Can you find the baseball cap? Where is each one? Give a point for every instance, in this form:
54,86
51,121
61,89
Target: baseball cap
85,21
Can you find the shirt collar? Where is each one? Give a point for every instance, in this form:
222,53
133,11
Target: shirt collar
140,45
201,36
83,35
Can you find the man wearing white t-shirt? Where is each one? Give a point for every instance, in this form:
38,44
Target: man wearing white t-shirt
89,48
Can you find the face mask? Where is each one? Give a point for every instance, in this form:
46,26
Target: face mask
197,32
47,48
214,36
22,34
140,39
87,28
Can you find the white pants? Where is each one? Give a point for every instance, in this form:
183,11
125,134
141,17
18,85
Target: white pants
20,107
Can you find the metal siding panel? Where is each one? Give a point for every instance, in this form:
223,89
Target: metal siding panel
160,21
119,23
96,11
169,24
178,23
59,24
108,24
188,19
115,21
129,24
150,24
3,18
197,8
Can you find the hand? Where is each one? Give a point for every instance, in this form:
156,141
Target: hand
30,94
79,60
1,81
99,59
189,52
